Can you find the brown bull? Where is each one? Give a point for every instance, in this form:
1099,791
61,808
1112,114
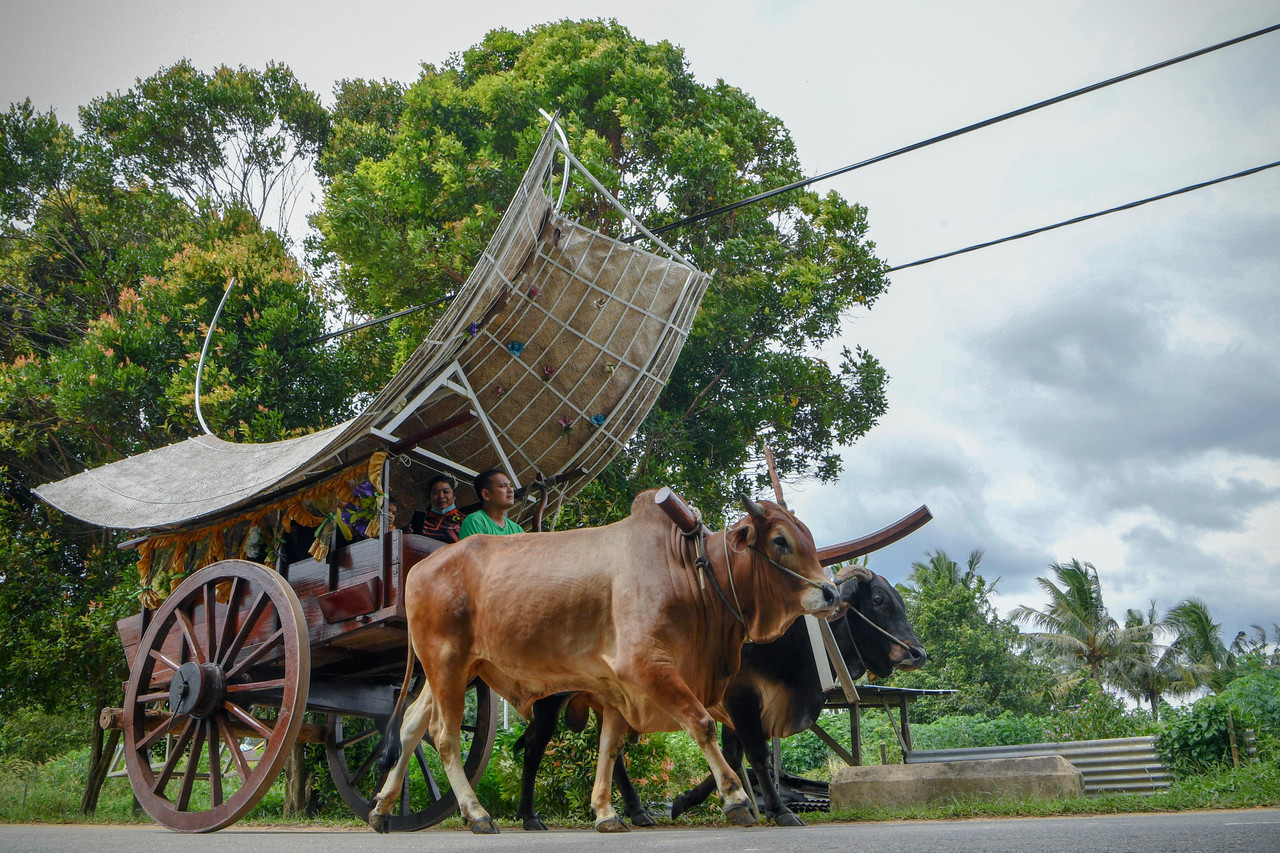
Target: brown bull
618,612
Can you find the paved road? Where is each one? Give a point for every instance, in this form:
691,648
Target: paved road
1252,831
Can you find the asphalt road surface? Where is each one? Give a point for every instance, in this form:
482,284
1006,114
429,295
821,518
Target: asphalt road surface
1249,831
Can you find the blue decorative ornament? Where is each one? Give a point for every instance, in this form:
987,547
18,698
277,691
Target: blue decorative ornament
597,420
515,348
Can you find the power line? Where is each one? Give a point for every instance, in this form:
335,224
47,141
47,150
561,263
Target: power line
1086,217
697,217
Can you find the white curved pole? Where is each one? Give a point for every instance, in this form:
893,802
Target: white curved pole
204,351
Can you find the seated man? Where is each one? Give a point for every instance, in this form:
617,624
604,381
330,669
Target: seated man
442,519
497,497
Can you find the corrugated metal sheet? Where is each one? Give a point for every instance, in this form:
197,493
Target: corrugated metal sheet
1128,765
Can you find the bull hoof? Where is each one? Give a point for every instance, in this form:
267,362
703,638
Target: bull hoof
740,814
679,806
611,824
534,823
379,822
642,818
484,826
786,818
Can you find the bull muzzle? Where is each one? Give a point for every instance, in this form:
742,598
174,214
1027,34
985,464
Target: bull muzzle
908,657
822,600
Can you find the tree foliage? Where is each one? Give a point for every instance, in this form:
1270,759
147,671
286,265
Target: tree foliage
115,247
971,649
404,226
1149,670
237,137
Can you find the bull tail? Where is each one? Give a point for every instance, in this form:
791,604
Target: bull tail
391,746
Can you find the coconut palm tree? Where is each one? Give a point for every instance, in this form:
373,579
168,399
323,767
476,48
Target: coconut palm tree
1256,642
1148,670
1199,644
941,569
1075,628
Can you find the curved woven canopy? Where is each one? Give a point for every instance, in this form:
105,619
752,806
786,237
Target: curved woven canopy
545,362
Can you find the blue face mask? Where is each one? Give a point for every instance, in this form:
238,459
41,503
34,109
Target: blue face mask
450,508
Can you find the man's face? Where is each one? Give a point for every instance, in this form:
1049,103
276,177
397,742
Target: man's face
441,495
500,494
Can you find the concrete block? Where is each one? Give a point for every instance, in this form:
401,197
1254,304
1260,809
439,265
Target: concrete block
1044,777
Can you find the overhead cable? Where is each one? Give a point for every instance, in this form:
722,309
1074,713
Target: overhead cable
1086,217
697,217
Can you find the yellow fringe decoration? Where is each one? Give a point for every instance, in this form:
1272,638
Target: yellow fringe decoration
159,578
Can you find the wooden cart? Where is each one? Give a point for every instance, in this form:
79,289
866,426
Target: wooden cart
545,361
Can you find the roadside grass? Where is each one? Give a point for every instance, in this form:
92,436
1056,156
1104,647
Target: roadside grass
50,793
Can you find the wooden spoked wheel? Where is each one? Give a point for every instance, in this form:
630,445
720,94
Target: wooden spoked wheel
355,743
216,696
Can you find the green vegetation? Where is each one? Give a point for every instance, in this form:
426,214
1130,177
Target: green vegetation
117,242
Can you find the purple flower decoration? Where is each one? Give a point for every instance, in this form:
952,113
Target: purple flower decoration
533,292
547,372
472,329
499,390
566,424
363,490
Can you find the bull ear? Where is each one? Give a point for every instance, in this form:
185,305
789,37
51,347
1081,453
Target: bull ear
742,535
753,509
856,572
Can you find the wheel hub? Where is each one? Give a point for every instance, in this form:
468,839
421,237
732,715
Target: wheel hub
197,689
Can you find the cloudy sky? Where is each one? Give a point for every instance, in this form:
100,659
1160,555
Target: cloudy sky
1108,392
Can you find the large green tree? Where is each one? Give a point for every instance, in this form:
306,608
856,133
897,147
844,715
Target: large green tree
971,649
112,260
236,137
404,217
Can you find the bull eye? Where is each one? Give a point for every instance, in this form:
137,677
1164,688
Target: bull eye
780,542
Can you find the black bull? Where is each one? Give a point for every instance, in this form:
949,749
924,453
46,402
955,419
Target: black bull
776,693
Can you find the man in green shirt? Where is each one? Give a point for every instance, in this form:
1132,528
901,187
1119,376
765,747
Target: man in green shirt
497,497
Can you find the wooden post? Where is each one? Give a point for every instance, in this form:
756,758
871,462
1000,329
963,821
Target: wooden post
1231,735
855,733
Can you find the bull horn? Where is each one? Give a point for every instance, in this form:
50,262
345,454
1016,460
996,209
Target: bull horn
856,572
753,509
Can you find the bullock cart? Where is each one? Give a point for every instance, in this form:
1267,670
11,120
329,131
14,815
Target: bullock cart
271,574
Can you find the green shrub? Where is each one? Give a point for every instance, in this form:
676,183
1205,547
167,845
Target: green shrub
965,731
36,735
660,765
1197,739
1256,697
1099,716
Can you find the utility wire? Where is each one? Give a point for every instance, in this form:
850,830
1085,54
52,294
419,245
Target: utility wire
697,217
1086,217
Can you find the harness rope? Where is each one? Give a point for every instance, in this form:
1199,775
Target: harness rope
703,564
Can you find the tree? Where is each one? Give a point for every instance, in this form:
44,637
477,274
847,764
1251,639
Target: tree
1149,670
1076,630
405,226
1199,644
238,137
971,649
110,282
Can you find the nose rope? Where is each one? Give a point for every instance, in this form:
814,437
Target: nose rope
784,569
864,618
703,565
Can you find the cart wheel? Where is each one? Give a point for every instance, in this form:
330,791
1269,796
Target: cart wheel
209,673
354,744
